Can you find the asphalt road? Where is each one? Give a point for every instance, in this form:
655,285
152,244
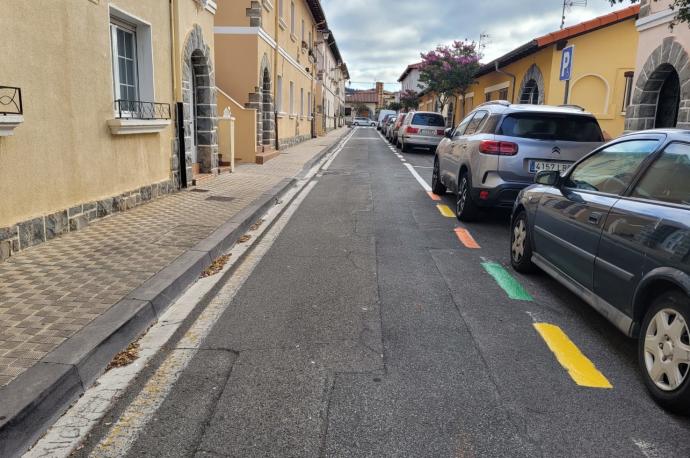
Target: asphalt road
371,329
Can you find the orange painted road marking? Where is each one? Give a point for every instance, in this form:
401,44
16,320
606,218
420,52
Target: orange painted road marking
466,238
434,196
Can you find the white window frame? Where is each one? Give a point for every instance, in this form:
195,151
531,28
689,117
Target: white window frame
144,53
292,18
301,102
627,94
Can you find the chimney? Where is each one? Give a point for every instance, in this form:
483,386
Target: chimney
379,94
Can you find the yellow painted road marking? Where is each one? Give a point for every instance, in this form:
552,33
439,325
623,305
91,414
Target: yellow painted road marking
445,211
580,368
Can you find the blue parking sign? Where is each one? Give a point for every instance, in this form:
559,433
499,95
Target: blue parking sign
567,63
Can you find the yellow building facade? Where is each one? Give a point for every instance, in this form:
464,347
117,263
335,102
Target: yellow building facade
87,111
605,50
266,62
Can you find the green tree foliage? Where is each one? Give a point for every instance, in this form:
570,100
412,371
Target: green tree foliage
395,106
409,100
449,70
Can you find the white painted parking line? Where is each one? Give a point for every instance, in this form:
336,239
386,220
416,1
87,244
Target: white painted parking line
417,177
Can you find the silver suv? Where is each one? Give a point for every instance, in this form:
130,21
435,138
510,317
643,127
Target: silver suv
421,129
497,150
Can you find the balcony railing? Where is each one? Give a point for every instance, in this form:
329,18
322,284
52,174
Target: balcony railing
11,101
136,109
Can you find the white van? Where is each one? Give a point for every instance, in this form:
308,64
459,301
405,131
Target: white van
383,114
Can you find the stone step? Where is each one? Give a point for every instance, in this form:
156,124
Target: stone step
266,155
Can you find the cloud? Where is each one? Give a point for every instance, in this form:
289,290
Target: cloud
379,38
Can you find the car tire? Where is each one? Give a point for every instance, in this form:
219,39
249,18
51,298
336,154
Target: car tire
521,245
658,344
404,148
397,144
465,208
436,186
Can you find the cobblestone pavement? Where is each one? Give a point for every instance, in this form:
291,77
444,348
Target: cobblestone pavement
51,291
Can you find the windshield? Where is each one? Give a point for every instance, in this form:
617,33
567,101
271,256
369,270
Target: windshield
428,119
543,126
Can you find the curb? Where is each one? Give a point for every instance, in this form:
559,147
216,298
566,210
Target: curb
32,402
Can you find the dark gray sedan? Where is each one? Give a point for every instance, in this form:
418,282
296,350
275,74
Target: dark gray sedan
615,230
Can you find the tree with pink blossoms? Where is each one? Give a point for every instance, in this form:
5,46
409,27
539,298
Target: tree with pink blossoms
449,71
409,100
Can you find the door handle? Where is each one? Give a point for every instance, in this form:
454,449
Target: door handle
595,218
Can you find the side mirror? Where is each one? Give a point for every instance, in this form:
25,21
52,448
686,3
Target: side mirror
448,133
547,178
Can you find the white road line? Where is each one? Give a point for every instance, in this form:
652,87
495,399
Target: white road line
421,181
65,436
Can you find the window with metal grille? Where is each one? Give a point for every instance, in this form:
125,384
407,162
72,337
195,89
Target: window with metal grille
125,73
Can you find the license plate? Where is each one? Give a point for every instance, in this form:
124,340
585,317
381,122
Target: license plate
427,132
540,166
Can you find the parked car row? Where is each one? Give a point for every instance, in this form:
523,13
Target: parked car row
416,129
610,222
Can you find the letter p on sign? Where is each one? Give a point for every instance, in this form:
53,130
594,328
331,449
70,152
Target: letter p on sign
567,63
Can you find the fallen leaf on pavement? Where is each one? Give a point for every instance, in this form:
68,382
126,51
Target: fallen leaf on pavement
216,266
244,238
125,357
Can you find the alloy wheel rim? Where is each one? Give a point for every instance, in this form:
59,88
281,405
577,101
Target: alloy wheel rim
667,349
462,196
519,237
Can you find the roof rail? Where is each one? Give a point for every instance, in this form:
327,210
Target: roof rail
569,105
503,103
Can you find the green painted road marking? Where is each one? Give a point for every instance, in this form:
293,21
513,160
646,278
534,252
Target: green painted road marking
506,281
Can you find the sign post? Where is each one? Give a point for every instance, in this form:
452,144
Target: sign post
567,69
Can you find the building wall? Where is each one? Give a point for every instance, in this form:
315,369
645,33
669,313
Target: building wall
63,154
598,79
659,46
411,81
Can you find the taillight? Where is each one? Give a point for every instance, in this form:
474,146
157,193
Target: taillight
440,132
498,148
412,130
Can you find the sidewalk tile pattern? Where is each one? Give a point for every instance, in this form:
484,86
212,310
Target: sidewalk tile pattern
51,291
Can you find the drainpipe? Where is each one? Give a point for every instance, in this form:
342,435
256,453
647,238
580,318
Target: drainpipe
173,44
498,70
275,76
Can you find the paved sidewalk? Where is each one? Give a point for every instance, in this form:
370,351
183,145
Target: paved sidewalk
52,291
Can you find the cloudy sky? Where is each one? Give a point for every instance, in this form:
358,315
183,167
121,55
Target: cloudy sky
378,38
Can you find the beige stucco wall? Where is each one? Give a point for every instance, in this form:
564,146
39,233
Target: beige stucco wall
245,130
63,154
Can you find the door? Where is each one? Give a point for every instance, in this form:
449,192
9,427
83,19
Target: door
458,146
648,229
570,219
193,140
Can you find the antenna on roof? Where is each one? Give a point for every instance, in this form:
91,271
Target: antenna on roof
483,42
568,5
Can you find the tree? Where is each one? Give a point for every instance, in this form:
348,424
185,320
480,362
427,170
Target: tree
409,100
682,6
361,109
449,70
395,106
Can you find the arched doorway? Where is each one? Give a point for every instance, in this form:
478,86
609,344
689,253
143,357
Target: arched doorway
267,131
669,101
199,100
532,87
530,93
661,96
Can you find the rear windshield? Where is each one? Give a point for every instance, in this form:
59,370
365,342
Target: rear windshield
427,119
551,127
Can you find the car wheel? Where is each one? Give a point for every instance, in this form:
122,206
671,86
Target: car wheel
664,351
436,186
405,148
521,245
465,209
397,144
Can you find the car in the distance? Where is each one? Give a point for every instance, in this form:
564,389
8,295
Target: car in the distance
615,230
421,129
496,151
366,122
382,116
388,126
396,127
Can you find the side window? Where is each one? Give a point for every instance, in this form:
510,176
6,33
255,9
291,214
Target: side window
612,169
668,178
460,130
477,122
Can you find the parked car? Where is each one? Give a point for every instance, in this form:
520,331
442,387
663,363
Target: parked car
421,129
396,128
388,127
615,230
363,122
384,122
381,117
497,150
